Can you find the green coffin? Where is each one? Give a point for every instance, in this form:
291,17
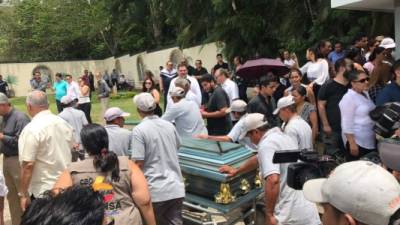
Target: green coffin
200,161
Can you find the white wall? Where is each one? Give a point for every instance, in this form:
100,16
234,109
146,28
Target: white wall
152,61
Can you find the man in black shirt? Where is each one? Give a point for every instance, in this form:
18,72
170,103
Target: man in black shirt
199,71
13,123
329,97
3,85
220,64
189,67
264,102
218,121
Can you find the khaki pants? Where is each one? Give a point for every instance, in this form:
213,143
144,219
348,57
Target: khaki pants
12,173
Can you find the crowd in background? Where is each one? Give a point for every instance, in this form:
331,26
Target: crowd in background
326,101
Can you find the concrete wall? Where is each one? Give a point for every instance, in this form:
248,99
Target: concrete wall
128,64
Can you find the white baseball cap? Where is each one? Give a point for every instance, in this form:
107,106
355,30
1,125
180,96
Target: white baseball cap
3,98
252,121
177,92
238,105
387,43
113,113
284,102
145,102
365,190
66,100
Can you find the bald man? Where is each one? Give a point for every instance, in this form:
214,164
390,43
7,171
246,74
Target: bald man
44,148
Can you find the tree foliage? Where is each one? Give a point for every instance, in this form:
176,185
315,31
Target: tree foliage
83,29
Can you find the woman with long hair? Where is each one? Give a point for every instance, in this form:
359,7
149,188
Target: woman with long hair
84,103
295,78
149,86
376,57
305,109
122,183
379,78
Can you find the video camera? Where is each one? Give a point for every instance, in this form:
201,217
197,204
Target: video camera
312,166
387,118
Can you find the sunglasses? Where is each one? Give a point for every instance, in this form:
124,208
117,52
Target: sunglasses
362,80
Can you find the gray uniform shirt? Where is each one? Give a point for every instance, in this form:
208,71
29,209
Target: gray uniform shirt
13,123
187,117
119,140
77,119
156,142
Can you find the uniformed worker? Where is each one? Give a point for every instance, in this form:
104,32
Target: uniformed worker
119,138
155,145
77,119
185,114
283,205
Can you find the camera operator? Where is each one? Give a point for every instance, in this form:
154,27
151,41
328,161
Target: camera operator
284,205
358,192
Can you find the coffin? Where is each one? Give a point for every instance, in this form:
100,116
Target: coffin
200,161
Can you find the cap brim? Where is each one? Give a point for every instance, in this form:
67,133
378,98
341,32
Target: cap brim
312,190
276,111
125,114
393,45
390,155
228,110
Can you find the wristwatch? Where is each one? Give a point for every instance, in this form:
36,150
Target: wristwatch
23,195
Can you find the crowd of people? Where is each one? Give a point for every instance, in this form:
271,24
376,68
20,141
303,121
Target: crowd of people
326,101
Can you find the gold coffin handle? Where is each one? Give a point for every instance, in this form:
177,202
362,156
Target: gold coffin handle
244,186
257,181
224,196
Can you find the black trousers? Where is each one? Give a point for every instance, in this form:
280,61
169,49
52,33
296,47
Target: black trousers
86,107
59,106
361,152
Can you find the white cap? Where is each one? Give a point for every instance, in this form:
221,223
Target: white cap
387,43
238,105
113,113
177,92
284,102
365,190
3,98
252,121
145,102
66,100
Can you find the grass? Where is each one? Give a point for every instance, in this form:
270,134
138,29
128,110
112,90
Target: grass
125,104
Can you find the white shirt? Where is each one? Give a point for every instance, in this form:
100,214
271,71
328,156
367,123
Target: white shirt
47,140
77,119
187,117
73,90
354,111
3,187
194,87
289,63
291,207
317,72
231,88
300,131
237,130
192,97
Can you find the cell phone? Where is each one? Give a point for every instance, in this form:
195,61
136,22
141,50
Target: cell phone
286,156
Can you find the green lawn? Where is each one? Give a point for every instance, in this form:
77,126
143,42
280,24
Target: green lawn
125,103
